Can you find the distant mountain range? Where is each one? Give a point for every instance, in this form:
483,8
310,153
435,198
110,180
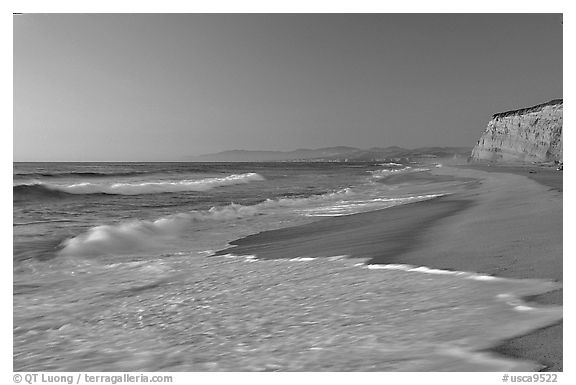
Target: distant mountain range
335,154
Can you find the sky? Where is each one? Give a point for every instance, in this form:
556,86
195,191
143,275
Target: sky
162,87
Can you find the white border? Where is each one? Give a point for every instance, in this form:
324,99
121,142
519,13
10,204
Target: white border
296,6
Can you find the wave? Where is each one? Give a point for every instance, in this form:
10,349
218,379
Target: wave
36,191
363,205
145,235
291,202
42,222
383,173
81,174
41,189
142,235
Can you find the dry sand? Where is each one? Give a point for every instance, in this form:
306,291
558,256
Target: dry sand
546,175
530,248
505,225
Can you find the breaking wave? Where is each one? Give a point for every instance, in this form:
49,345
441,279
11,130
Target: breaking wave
142,235
292,202
363,205
85,174
383,173
39,190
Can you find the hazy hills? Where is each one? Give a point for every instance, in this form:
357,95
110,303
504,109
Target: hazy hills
334,154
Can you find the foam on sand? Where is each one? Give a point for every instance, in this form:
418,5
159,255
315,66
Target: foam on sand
354,206
427,270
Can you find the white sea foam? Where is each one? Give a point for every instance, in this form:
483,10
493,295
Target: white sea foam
253,258
140,234
523,308
478,277
246,258
513,301
143,235
348,207
377,174
153,187
385,172
427,270
229,256
391,164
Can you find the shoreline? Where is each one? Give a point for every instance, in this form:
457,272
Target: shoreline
352,235
531,345
545,175
481,230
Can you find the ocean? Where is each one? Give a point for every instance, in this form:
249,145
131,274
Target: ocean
114,271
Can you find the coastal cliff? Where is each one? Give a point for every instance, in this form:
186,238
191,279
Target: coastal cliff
532,134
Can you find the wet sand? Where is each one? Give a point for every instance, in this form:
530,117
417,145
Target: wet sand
544,345
546,175
505,225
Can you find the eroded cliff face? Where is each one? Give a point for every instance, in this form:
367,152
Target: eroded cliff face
531,134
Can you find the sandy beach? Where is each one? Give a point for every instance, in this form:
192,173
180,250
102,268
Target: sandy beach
330,190
507,224
547,176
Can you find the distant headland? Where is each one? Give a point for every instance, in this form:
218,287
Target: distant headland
335,154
